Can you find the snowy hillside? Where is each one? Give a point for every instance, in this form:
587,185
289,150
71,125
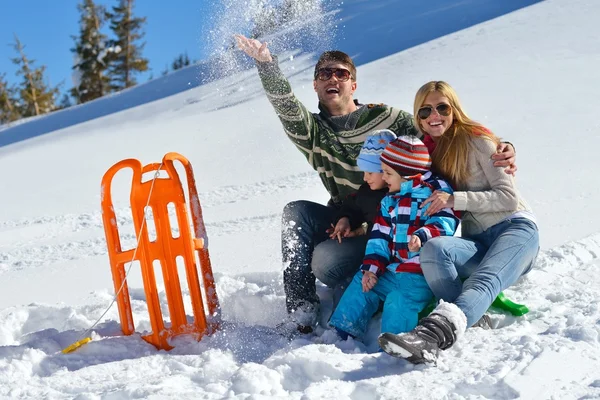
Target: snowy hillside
526,75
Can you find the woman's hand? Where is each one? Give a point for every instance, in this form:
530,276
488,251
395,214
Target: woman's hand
414,244
505,157
438,200
254,48
369,281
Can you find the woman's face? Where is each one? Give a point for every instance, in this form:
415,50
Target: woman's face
436,123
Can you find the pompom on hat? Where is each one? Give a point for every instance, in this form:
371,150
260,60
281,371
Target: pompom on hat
368,158
407,155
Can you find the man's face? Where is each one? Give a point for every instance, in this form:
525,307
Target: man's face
334,94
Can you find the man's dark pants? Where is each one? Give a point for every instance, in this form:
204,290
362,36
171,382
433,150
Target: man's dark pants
309,252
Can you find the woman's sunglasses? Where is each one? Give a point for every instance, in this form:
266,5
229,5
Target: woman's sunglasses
443,109
324,74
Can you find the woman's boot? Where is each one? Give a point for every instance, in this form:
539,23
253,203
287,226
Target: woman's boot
438,331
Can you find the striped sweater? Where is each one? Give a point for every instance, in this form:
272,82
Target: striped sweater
330,150
399,218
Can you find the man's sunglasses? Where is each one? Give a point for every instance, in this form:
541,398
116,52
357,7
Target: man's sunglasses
324,74
443,109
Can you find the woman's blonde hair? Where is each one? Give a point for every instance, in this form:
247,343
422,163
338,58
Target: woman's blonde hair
450,156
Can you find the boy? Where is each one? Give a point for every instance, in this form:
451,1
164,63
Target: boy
391,270
358,210
353,222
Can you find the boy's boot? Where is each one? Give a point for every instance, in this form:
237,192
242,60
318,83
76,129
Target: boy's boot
438,331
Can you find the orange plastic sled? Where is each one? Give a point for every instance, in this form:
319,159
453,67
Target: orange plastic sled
165,248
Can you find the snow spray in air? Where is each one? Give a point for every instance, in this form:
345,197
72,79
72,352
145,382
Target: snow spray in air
289,26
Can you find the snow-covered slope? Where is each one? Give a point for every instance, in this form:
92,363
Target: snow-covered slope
526,75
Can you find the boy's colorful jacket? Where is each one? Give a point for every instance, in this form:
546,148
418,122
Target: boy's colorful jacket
400,217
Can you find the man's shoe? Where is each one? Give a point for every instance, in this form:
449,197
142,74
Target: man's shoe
290,329
301,321
306,314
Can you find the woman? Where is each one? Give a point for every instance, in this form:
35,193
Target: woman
499,240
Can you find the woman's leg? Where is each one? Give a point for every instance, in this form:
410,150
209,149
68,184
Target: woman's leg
408,297
513,251
355,309
446,261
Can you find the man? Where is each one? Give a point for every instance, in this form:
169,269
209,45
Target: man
330,141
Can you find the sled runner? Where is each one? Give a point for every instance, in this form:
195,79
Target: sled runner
502,302
168,243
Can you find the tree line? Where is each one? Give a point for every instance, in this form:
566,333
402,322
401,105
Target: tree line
103,64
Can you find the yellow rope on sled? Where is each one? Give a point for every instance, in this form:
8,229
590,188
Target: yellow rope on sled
76,345
86,340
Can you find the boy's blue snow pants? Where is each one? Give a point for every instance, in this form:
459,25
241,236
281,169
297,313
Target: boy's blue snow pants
404,294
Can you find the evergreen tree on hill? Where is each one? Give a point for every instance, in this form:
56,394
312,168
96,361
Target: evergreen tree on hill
9,106
92,54
181,61
37,97
127,58
65,102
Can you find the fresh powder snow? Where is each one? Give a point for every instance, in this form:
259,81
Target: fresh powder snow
529,75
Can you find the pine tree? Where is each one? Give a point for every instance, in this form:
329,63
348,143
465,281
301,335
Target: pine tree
65,102
36,96
127,59
180,61
92,54
9,107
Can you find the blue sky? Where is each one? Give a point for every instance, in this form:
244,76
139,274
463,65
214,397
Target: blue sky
45,28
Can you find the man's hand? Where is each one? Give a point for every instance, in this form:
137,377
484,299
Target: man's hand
505,157
360,231
253,48
369,281
438,200
340,230
414,244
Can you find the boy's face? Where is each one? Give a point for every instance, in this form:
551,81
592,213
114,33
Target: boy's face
391,178
374,180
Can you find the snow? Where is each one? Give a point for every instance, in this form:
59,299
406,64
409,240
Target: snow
525,74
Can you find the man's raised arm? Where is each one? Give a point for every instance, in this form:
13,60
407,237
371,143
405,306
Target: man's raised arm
298,122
